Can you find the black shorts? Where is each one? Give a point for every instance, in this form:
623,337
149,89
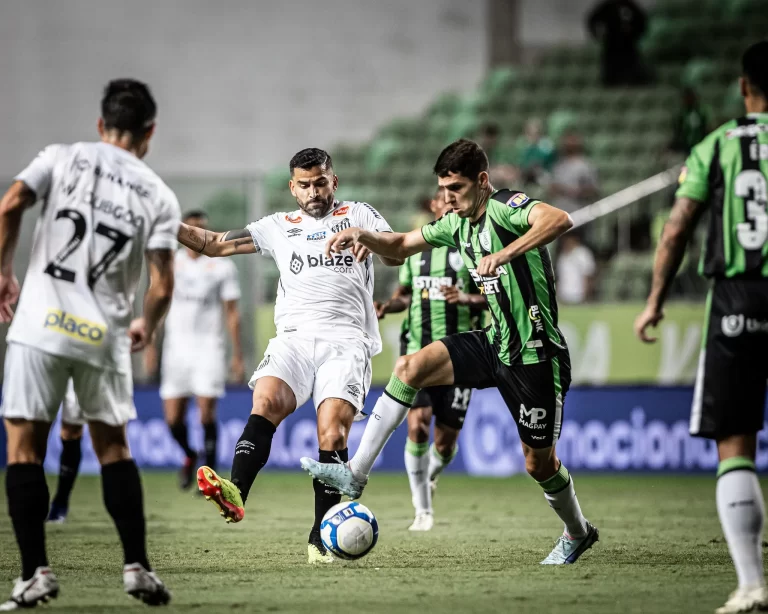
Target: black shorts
729,397
449,403
534,394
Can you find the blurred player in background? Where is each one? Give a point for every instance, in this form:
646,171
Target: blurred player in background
72,423
441,298
327,331
727,174
104,211
502,236
204,303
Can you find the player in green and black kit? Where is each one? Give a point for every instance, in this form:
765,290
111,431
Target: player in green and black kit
727,174
502,235
441,299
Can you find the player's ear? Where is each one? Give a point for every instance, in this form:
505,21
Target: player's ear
150,132
743,87
291,188
483,179
100,126
335,182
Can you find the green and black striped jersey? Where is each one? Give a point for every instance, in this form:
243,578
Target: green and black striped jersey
521,295
430,317
727,171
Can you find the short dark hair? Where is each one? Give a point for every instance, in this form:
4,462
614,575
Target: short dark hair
128,106
199,213
754,64
310,158
463,157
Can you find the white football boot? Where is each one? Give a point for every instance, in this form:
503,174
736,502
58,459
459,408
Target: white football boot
423,522
144,585
41,587
746,600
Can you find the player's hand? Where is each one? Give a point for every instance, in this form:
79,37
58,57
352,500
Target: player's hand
237,369
651,316
345,239
9,294
381,308
453,295
360,252
139,335
489,264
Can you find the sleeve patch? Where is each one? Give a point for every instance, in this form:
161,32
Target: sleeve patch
518,200
683,175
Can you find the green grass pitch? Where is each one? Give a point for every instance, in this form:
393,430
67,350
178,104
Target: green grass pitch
661,550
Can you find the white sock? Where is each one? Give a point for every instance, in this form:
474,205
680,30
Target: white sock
437,463
741,510
561,496
387,415
417,461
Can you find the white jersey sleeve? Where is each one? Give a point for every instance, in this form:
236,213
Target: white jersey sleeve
39,173
261,230
368,218
165,230
230,283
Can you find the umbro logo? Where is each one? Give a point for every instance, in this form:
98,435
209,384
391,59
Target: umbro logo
294,232
264,362
354,390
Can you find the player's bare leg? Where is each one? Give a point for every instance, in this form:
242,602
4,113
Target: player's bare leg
742,515
334,420
175,411
430,366
69,466
442,452
124,500
207,407
579,535
417,466
273,401
27,493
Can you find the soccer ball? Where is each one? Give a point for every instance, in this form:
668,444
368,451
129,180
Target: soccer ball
349,530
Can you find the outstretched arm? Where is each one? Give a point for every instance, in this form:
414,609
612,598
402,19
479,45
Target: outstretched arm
392,247
546,224
217,244
683,218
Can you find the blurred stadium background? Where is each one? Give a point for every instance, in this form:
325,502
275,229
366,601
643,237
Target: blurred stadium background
243,85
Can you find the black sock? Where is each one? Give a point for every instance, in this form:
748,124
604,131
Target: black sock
210,436
27,493
69,465
179,432
124,500
252,452
325,496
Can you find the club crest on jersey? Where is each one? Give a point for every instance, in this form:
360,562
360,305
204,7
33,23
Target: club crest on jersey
293,218
59,321
316,236
518,200
485,239
341,211
345,223
455,261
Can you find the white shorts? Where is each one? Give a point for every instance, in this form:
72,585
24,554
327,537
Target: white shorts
199,373
318,368
35,385
70,408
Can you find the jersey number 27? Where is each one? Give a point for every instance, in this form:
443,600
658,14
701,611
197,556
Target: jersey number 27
119,241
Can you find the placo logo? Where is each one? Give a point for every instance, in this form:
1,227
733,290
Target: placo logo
62,322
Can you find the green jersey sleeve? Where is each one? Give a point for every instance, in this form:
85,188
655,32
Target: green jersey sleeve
406,277
440,233
694,178
510,209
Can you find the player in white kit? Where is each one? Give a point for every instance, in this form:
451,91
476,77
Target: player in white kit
327,330
204,303
103,211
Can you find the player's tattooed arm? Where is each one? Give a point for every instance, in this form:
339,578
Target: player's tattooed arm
670,251
393,247
217,244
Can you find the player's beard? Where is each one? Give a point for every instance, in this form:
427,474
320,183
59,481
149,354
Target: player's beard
317,208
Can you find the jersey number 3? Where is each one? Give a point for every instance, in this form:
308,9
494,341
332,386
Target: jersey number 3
119,241
752,187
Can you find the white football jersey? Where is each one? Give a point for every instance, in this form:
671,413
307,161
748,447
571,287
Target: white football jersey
317,295
196,316
102,208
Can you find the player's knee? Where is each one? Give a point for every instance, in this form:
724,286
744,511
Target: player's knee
445,448
409,370
269,409
71,432
332,438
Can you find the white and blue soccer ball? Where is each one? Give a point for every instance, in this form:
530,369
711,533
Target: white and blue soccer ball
349,530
